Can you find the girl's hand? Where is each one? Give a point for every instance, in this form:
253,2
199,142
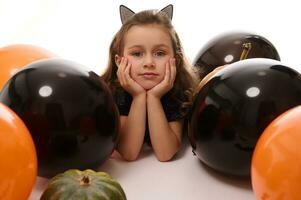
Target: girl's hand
167,83
126,81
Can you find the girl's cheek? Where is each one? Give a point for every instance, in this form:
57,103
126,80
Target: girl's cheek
136,62
166,60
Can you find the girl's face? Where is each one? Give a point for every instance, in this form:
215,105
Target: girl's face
148,49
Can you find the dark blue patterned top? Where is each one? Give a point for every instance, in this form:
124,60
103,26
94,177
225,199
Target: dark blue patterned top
170,106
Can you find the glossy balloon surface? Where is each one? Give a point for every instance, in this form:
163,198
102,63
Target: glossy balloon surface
15,57
276,163
70,113
207,78
235,106
18,166
232,47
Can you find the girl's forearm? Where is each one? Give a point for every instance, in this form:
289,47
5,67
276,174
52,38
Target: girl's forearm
165,141
132,129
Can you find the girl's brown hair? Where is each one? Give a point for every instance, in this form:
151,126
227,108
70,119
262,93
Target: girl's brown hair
185,81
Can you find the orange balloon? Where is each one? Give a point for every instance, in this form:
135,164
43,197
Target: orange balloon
276,162
14,57
18,165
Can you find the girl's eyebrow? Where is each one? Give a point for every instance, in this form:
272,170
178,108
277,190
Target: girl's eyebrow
156,46
135,46
161,45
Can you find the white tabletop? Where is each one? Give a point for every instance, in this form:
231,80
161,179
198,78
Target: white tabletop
184,178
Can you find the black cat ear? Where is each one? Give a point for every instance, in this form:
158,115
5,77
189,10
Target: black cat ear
125,13
168,10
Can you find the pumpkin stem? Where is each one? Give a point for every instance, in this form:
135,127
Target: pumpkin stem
85,181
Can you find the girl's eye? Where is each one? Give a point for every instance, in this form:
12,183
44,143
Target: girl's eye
160,53
137,54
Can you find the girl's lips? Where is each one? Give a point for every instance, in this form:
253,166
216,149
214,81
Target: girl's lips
149,75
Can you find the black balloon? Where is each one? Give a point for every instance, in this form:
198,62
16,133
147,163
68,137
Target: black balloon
235,106
232,47
69,112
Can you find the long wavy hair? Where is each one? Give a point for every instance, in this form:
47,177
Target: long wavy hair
186,79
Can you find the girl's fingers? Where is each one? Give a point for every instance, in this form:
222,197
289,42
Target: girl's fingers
119,67
125,64
127,72
167,73
120,71
124,73
173,70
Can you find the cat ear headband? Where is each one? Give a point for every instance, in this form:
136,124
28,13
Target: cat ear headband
126,13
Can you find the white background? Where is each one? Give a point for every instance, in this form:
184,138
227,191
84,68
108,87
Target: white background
81,30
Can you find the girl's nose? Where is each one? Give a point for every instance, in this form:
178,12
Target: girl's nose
149,62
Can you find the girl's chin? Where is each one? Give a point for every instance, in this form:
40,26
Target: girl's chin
148,86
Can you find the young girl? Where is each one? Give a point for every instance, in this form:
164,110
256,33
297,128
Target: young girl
151,83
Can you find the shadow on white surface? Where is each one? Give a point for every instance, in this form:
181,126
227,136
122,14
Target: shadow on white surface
241,182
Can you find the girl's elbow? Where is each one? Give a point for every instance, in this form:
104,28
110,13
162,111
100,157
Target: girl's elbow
129,156
165,157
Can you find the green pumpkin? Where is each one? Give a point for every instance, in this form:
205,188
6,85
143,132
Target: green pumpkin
83,185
